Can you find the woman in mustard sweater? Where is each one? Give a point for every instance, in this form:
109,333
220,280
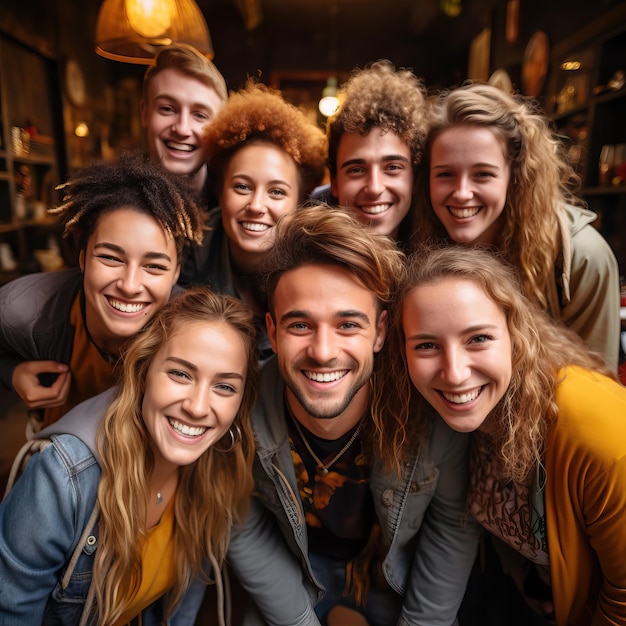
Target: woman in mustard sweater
548,461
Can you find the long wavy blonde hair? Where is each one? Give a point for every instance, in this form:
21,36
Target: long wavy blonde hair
212,493
541,347
542,179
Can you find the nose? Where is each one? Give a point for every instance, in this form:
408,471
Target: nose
375,185
181,124
256,203
463,189
323,347
456,366
197,404
130,281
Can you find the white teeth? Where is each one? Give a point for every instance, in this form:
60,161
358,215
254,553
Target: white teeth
126,308
184,147
463,213
376,208
325,377
257,228
188,431
461,398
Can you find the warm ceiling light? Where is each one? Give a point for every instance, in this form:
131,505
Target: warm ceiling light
329,103
81,130
132,31
570,65
150,18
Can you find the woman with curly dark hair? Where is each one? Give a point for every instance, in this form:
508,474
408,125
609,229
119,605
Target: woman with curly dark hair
63,332
266,158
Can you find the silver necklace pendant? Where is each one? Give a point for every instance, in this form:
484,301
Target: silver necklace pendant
159,497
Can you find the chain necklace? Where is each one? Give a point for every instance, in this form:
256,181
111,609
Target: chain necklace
325,467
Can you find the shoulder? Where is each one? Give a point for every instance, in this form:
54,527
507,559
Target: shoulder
268,413
73,452
83,420
588,244
592,410
34,295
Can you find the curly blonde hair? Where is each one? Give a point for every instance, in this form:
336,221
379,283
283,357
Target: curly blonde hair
260,114
542,181
541,347
212,493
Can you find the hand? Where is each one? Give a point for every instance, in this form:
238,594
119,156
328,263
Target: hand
35,395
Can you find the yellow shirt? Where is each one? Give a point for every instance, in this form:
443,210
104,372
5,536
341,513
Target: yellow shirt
157,566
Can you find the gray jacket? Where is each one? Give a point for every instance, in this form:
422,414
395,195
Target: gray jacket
431,543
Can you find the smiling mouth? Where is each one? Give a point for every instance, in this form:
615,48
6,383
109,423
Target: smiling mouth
325,377
254,227
463,213
127,307
186,431
182,147
462,398
376,209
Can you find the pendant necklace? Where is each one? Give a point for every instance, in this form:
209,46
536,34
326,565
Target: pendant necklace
159,497
325,467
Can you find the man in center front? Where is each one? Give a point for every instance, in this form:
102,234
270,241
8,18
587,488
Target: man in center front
387,547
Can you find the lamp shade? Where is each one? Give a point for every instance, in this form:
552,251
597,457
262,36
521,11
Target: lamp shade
132,31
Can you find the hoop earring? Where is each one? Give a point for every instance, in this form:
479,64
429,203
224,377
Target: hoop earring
235,439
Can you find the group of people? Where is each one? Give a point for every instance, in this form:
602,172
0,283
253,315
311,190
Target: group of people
339,386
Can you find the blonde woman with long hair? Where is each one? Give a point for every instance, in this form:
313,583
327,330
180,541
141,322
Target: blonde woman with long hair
495,173
548,454
151,489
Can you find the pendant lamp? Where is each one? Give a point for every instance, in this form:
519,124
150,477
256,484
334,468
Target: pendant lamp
132,31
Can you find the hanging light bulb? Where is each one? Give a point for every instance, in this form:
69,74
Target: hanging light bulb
329,103
132,31
150,18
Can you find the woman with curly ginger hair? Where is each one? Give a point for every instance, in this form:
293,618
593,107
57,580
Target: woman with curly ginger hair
131,222
375,144
548,460
149,487
497,175
266,158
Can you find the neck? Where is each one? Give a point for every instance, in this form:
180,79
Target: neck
198,179
244,263
335,427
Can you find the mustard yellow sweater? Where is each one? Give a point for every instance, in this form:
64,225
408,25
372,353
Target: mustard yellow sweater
585,499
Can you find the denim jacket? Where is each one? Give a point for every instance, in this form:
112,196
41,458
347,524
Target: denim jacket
431,543
43,519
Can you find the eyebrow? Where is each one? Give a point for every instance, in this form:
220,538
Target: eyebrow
194,368
348,313
474,165
276,181
386,158
115,248
466,331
